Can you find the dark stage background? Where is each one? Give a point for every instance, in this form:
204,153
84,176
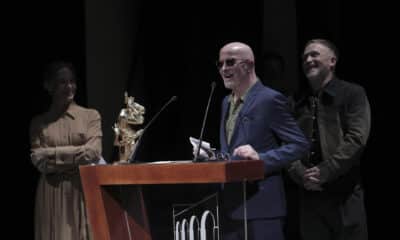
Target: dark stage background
156,50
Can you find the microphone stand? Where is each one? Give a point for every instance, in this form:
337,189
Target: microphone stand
196,157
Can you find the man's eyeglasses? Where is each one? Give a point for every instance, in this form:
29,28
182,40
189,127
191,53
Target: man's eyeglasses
230,62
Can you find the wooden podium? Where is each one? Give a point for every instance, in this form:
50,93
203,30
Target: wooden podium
116,214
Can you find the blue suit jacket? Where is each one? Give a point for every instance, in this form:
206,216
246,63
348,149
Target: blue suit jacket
265,123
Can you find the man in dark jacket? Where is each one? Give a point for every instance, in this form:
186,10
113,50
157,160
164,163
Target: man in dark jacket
335,116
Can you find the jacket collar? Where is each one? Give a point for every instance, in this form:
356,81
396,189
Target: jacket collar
329,90
72,110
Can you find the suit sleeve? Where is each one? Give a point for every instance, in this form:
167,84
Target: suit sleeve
294,144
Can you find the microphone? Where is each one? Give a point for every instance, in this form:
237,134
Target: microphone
132,158
196,157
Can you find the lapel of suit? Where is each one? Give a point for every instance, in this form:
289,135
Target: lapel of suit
237,136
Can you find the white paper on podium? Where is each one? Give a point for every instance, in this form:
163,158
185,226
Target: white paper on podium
205,149
204,145
168,162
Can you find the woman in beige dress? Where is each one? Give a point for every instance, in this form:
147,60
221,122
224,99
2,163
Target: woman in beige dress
63,138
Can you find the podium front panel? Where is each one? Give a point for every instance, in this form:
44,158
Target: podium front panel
114,199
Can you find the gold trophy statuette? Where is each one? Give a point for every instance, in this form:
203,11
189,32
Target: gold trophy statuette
125,132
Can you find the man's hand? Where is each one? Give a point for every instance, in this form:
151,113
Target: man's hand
311,179
246,152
